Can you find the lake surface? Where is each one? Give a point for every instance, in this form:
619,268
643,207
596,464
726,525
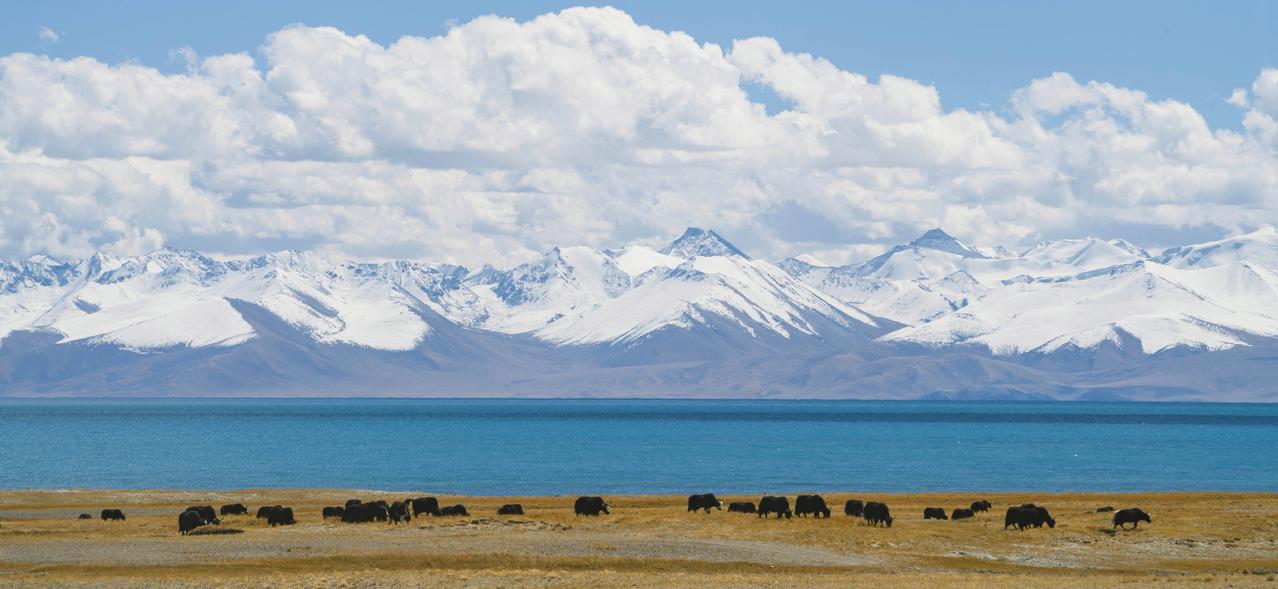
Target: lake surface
541,447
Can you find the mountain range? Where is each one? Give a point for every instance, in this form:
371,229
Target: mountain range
934,318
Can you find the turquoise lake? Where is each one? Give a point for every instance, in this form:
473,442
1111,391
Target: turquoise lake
543,447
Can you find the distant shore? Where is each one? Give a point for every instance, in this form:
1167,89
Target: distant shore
647,540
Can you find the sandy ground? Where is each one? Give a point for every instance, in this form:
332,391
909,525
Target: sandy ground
1196,539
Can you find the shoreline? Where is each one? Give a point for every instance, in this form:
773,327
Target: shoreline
1195,537
16,491
320,491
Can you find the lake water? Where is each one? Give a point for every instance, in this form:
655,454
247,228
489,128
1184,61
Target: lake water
536,447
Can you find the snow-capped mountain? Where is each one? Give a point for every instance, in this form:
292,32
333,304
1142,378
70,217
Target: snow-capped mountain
1068,294
571,295
699,242
752,295
172,298
911,284
531,296
1078,318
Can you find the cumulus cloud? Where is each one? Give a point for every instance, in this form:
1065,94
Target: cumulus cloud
499,139
1239,98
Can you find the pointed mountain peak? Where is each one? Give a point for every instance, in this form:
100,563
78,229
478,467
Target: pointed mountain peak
701,242
798,266
43,260
1129,247
937,239
935,234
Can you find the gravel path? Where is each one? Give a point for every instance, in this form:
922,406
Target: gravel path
477,537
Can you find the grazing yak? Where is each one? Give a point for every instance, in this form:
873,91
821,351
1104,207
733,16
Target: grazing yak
112,515
981,506
876,513
586,505
1133,516
189,520
854,508
934,513
206,512
281,516
361,513
773,504
234,509
336,512
453,510
706,501
1105,509
1028,516
86,516
265,511
741,507
511,509
961,513
400,513
427,505
811,504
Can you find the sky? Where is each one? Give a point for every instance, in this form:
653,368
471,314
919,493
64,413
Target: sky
490,132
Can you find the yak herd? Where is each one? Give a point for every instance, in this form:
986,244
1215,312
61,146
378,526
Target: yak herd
874,513
354,511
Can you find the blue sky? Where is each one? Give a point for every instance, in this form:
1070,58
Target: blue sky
835,129
975,53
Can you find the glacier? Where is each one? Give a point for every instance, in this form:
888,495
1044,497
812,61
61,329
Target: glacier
933,318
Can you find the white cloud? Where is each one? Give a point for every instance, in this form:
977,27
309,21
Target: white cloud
1239,98
499,139
49,36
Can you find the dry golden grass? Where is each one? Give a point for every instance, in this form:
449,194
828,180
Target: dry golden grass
1196,539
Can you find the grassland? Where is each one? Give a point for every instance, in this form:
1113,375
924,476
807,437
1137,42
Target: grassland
1196,539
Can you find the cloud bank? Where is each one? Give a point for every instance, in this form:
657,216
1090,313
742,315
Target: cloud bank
501,138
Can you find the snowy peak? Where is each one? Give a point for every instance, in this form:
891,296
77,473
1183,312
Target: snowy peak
701,242
933,255
577,268
638,260
1087,253
1129,247
799,267
1055,259
1151,305
937,239
34,272
530,296
1259,247
720,296
167,266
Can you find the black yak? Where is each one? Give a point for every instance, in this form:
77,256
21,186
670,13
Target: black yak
706,501
774,504
590,506
189,520
811,504
281,516
876,513
1133,516
934,513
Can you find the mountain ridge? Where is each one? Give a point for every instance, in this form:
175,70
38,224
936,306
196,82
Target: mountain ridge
932,318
